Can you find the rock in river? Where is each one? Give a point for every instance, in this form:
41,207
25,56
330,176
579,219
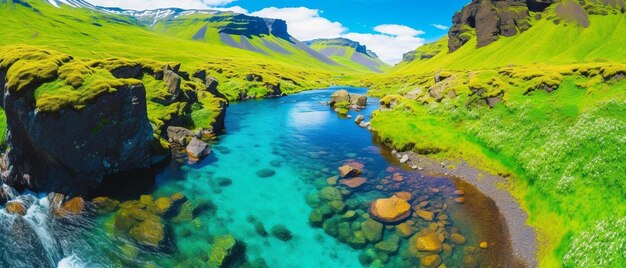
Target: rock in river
265,173
390,210
347,171
354,182
197,149
339,96
428,241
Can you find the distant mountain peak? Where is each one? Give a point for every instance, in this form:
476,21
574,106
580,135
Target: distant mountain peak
350,50
344,42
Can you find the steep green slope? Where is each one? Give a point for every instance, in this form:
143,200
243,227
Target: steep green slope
349,53
545,106
98,35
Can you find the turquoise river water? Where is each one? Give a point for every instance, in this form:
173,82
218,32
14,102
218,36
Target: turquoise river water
299,139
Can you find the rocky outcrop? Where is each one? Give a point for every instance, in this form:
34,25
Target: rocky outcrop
240,24
490,19
73,150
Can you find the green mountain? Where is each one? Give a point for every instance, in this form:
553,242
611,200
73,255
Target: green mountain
535,90
349,53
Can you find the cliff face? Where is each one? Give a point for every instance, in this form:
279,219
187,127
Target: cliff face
490,19
238,24
71,151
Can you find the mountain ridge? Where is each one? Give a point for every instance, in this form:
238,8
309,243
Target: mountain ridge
348,52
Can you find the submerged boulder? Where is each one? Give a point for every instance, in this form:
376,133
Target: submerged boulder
390,210
226,251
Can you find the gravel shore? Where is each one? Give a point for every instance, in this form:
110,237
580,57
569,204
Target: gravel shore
523,237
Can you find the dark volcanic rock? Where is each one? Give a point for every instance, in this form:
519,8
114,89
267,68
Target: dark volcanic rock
491,18
132,71
172,81
72,151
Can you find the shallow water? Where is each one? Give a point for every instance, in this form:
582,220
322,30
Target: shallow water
304,142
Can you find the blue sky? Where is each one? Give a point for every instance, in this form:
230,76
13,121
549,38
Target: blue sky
388,27
363,15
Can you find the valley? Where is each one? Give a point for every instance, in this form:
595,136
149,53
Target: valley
206,138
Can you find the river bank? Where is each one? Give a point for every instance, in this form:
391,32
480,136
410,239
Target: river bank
523,237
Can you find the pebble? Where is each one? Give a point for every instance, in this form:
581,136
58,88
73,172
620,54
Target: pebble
404,159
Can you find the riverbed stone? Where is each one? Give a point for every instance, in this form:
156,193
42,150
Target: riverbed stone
372,230
281,232
332,181
226,251
359,119
390,210
404,196
337,206
427,241
149,232
329,194
404,229
348,171
457,238
316,218
430,261
74,206
354,183
424,214
104,205
265,173
389,244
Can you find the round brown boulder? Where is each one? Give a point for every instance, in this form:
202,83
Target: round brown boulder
354,182
390,210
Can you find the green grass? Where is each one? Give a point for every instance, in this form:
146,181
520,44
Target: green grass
565,150
94,35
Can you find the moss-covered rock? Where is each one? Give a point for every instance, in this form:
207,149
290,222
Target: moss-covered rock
226,251
281,232
372,230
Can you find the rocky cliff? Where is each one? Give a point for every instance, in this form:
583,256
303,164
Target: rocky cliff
71,149
490,19
72,123
225,22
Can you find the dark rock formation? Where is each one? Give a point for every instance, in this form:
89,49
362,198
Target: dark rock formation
343,42
490,19
73,150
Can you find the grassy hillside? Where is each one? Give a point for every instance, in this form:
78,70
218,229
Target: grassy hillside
545,107
97,35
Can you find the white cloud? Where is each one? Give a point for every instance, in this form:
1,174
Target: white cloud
389,48
440,27
397,30
390,43
154,4
303,23
236,9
